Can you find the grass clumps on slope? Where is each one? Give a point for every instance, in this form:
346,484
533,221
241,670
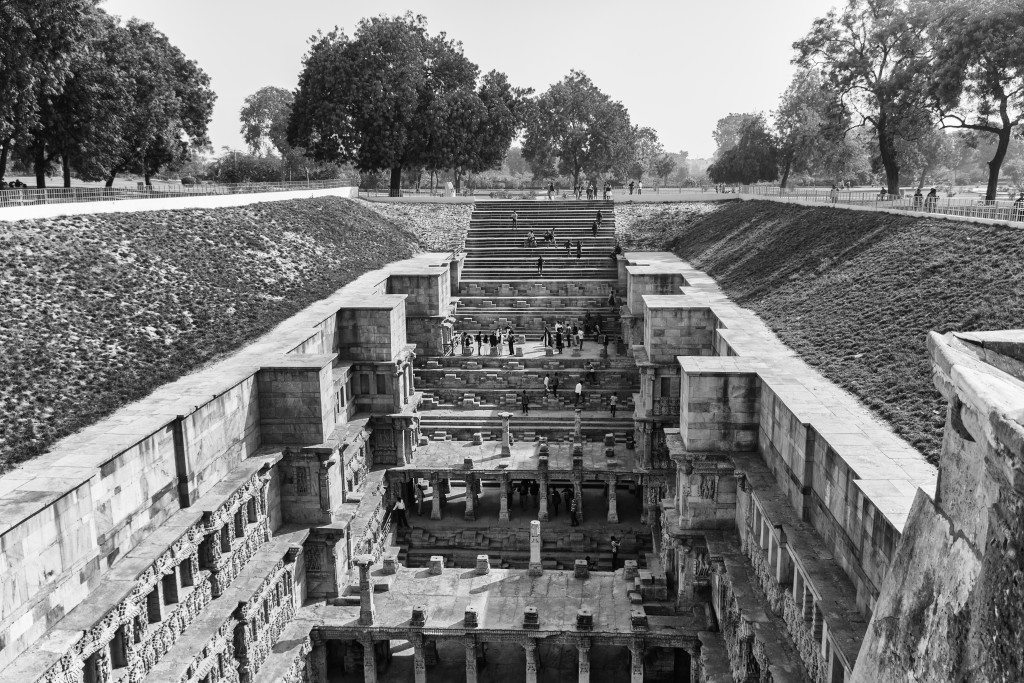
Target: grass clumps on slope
855,293
101,309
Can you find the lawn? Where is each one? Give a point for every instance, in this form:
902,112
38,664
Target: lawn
99,310
855,293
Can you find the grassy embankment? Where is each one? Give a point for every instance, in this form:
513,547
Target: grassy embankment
855,293
99,310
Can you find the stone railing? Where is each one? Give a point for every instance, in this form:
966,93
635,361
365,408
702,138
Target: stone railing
781,601
264,617
215,662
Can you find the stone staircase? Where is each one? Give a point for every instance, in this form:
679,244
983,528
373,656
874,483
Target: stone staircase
464,394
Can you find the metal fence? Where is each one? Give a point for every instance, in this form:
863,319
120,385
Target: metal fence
29,196
1003,210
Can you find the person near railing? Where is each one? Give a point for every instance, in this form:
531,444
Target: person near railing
398,514
1018,208
931,200
918,199
833,194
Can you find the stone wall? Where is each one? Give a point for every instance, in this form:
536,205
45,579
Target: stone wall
954,589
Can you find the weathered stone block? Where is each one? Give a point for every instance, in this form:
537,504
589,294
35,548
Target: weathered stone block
436,564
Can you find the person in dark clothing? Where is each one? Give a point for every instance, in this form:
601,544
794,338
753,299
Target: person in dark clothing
566,496
613,402
526,403
573,518
558,341
568,247
479,342
579,250
540,265
593,229
631,185
611,298
511,344
600,217
554,386
615,553
931,200
524,491
556,501
535,492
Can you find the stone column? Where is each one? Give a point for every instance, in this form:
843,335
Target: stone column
470,499
577,491
435,503
636,669
318,658
370,660
401,445
584,666
470,659
530,648
613,505
536,568
642,492
577,424
419,662
645,446
506,434
503,499
366,611
542,513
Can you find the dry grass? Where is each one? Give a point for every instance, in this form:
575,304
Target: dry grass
855,293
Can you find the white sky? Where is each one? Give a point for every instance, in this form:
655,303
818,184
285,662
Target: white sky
677,65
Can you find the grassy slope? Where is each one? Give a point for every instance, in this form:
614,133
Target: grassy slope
100,310
855,293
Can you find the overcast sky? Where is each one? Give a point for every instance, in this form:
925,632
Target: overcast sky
677,65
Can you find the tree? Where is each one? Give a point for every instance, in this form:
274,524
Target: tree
727,132
395,97
37,40
810,122
575,128
171,104
754,157
926,154
264,118
978,81
646,149
873,58
663,166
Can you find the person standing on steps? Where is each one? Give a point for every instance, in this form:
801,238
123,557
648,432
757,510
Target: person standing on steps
479,342
515,220
579,250
579,394
613,402
547,384
551,191
615,552
555,501
540,266
525,399
593,229
600,218
558,341
554,386
511,342
579,338
399,514
573,519
547,336
419,494
590,375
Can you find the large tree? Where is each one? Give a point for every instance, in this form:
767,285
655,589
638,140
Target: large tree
754,157
978,75
575,129
264,118
811,125
37,42
727,132
873,56
393,96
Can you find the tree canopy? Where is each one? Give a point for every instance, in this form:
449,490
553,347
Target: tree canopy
393,96
264,118
575,129
754,157
873,57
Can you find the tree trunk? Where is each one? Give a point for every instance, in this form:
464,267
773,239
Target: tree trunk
65,163
3,157
785,174
458,181
39,164
997,163
110,179
887,150
396,182
145,177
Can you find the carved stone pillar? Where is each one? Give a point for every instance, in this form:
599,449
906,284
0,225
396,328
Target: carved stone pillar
366,611
646,433
644,507
503,499
506,434
435,502
401,445
318,658
470,499
584,665
577,489
542,513
636,668
470,659
530,648
536,568
369,660
419,661
613,507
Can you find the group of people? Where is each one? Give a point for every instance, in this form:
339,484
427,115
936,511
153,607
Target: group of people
15,184
496,340
564,335
589,190
929,201
529,488
638,186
